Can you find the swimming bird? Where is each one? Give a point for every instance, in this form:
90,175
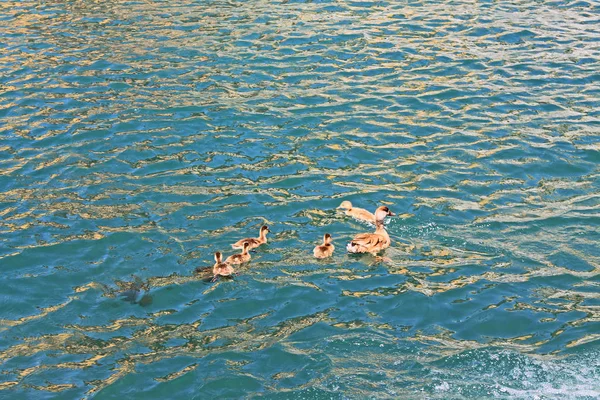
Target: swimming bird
358,213
326,249
221,268
135,292
241,258
254,242
372,242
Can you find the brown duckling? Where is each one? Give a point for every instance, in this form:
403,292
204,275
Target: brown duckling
326,249
241,258
359,213
373,242
221,268
254,242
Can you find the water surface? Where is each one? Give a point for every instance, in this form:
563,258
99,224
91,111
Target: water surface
137,138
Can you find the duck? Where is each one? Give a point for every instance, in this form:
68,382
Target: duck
359,213
326,249
373,242
135,292
221,268
254,242
241,258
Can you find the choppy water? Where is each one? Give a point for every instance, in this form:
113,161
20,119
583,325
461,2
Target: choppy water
139,137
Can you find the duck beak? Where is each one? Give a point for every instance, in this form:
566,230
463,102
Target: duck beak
391,214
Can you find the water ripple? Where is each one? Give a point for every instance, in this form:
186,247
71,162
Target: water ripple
140,137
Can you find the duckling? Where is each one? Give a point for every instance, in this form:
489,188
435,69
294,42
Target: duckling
372,242
326,249
254,242
241,258
359,213
221,268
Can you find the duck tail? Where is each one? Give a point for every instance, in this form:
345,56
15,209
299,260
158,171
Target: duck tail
352,247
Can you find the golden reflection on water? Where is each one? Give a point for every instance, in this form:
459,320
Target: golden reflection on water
117,39
5,324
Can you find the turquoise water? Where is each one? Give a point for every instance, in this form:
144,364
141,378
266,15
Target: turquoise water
137,138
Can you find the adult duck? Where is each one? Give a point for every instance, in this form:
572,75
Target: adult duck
358,213
373,242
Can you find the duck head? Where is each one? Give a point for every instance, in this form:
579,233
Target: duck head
346,205
218,257
382,212
327,238
246,246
